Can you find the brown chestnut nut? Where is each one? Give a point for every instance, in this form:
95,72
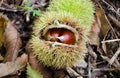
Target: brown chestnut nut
53,34
61,35
67,37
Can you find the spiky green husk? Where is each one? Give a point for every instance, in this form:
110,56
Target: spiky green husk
77,14
58,56
64,17
82,9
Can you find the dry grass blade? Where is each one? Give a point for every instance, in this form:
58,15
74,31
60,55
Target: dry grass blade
12,42
10,68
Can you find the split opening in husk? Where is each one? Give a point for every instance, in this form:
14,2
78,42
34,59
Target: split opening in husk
62,34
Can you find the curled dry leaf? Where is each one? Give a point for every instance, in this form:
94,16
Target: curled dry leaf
104,25
12,42
102,22
100,27
10,68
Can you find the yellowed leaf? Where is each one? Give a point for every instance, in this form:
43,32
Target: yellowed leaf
3,24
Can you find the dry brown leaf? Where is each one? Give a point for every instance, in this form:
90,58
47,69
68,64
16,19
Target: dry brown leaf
12,42
102,22
100,27
10,68
94,38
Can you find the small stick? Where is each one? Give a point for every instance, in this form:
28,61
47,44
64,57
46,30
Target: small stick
115,56
73,73
114,20
107,41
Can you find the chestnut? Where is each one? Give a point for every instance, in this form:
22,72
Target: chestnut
61,35
52,34
67,37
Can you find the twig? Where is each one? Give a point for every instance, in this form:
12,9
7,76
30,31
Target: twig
107,41
108,60
115,56
12,43
112,9
105,69
114,20
73,73
9,10
111,26
91,53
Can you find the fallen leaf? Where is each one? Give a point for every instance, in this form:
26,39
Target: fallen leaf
10,68
102,22
94,34
12,42
3,24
